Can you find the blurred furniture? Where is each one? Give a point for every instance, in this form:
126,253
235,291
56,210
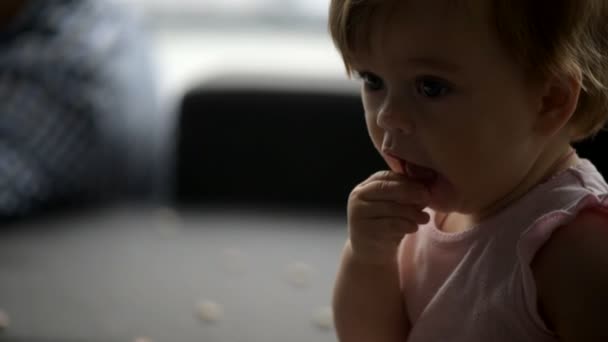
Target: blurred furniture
282,142
272,142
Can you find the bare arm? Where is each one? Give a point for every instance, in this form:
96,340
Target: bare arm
572,277
368,303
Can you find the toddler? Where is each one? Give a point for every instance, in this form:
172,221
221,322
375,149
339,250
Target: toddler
488,226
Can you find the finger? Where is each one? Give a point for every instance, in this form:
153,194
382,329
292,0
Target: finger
391,190
387,175
387,209
384,174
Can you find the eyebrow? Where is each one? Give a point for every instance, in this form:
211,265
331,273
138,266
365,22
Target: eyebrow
434,63
424,62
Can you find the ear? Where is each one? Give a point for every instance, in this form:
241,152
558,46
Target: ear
558,103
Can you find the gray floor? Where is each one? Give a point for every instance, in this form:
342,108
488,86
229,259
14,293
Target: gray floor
128,273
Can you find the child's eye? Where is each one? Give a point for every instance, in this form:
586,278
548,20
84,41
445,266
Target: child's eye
432,87
371,81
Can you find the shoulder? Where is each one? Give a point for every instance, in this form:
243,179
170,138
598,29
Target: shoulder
571,271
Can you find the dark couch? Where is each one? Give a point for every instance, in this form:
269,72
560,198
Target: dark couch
249,142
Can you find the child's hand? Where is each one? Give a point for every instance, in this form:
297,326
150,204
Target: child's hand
381,210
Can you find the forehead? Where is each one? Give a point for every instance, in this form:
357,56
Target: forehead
441,28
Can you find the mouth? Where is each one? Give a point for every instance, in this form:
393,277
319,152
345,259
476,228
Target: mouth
420,173
423,174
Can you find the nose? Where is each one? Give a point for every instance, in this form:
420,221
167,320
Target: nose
393,117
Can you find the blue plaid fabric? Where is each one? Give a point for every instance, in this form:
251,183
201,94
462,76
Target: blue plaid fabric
72,77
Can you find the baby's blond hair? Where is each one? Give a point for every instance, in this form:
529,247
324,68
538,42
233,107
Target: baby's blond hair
544,37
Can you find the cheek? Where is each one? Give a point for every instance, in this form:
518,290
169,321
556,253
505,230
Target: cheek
375,132
479,170
455,148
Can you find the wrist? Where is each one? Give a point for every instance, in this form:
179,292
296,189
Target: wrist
371,257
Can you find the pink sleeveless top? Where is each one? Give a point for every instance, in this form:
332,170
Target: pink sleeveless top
477,285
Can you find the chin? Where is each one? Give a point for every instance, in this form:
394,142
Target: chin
442,202
443,207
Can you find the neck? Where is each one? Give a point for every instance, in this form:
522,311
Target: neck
547,165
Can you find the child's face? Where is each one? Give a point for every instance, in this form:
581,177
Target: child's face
440,91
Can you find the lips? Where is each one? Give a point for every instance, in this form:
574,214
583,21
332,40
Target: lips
417,172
